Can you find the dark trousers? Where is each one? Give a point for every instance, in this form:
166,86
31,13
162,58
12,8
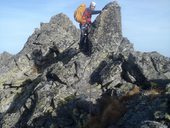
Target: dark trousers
85,46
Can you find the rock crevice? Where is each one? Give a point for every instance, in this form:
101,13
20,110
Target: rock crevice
52,83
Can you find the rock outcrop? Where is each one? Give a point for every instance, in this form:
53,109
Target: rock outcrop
51,83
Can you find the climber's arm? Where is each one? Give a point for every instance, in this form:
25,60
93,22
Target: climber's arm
93,12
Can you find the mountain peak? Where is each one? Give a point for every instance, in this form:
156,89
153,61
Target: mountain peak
53,83
113,4
4,57
60,19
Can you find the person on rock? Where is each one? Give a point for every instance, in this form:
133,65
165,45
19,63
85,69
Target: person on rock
84,26
87,15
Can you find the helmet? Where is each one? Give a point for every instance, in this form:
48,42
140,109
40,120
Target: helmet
93,4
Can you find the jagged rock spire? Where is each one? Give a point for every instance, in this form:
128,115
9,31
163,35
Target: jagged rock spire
45,83
114,16
108,33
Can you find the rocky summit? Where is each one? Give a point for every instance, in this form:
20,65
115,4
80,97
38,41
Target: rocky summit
51,83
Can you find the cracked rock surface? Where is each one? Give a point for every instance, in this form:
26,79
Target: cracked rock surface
51,83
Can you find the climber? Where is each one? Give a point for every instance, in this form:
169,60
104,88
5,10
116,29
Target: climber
84,26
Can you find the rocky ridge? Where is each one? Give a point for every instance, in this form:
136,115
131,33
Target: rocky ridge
51,83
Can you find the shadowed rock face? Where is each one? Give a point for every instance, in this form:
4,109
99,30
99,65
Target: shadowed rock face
51,83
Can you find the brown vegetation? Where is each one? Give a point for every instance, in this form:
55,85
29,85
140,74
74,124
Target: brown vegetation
113,108
135,91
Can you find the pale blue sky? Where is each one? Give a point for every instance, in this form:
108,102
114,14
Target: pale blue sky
146,23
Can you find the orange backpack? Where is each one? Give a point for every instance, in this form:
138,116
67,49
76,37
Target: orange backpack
78,14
